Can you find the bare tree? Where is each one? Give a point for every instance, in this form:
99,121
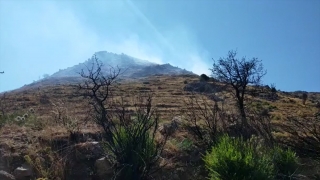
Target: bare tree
205,120
239,73
129,136
304,98
97,87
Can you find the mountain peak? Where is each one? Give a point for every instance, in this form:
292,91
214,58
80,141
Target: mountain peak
133,67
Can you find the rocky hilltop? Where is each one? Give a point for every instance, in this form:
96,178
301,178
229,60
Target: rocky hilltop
130,66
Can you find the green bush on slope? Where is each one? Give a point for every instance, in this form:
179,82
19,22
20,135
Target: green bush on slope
236,159
285,162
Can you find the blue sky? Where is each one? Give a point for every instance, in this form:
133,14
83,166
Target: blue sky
41,37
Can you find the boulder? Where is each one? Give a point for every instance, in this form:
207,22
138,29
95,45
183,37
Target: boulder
104,169
88,151
81,163
170,128
6,176
23,172
201,87
78,170
177,120
9,161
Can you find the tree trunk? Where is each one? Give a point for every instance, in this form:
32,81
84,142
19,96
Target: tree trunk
243,113
244,122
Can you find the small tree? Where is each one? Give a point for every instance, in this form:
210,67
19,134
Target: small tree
238,73
273,91
304,98
273,88
204,122
130,137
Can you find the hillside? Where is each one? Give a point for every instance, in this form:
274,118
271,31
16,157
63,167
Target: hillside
170,94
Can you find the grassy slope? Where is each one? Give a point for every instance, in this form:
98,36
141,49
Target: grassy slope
169,98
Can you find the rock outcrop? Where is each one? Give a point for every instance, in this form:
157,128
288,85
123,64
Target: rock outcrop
6,176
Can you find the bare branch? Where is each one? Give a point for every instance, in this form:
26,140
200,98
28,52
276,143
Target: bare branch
238,73
129,136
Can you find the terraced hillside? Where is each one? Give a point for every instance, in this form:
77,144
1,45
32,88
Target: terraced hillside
48,106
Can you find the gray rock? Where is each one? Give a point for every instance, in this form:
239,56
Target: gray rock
177,120
89,151
79,171
170,128
6,176
9,160
201,87
104,168
81,163
23,172
176,176
215,98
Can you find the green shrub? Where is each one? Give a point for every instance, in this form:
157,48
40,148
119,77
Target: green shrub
13,118
186,144
272,107
285,161
135,153
46,163
134,149
233,159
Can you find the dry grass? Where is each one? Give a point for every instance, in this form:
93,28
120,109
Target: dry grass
169,99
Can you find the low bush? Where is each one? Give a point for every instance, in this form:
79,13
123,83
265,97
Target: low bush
186,144
18,119
203,122
304,136
234,159
285,162
134,149
46,163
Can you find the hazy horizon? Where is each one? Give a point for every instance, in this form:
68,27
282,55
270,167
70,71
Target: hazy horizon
41,37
